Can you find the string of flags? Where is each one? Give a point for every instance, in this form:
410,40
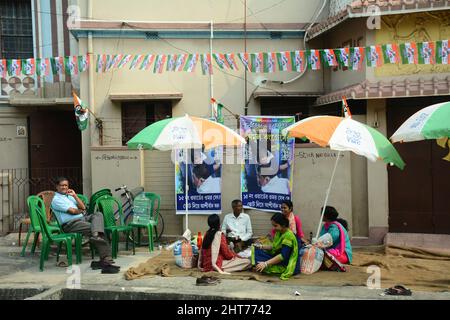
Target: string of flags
353,58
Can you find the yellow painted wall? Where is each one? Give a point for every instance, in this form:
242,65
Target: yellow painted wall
420,27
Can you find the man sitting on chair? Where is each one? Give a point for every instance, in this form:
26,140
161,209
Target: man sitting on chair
70,212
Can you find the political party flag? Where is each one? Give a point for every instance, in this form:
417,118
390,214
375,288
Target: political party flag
229,57
159,63
205,60
391,53
110,61
191,62
171,62
125,59
28,66
245,59
117,59
83,62
298,60
135,61
442,52
426,52
345,108
81,112
256,62
147,62
284,61
220,60
71,65
217,111
314,59
356,58
269,62
43,67
374,56
101,63
181,61
343,56
408,52
3,68
329,57
14,67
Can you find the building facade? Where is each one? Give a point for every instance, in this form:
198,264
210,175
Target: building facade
370,196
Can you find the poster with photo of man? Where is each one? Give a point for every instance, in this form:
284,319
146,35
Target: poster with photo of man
204,171
267,171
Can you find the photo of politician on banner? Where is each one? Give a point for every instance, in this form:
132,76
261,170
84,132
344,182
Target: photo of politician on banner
267,172
204,171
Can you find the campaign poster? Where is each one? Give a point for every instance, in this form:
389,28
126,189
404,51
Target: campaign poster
204,173
267,169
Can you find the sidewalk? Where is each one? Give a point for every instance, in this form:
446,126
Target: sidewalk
20,277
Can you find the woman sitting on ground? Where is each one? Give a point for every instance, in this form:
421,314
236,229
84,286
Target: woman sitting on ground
282,256
215,255
341,248
295,224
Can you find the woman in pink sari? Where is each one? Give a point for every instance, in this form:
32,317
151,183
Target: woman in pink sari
340,248
295,224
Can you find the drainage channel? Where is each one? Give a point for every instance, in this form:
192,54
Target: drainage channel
59,293
19,293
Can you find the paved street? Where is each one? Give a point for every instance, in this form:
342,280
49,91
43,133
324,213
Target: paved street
20,273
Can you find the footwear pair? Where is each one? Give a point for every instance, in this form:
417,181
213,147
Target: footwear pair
105,266
398,290
207,281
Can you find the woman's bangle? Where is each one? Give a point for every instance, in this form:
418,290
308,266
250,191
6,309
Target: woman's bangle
265,264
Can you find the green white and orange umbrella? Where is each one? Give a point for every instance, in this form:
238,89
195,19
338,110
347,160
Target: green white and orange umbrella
432,122
345,134
185,133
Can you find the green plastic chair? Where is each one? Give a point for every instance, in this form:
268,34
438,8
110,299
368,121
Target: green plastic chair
80,235
95,196
84,199
48,237
150,222
108,205
36,203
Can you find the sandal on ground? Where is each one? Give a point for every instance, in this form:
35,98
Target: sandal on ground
398,290
207,281
62,264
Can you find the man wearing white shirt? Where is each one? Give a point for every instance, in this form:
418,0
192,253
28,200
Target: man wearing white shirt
237,227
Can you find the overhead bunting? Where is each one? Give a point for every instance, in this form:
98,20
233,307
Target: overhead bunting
353,58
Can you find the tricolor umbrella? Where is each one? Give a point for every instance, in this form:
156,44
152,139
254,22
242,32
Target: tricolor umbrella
432,122
345,134
185,133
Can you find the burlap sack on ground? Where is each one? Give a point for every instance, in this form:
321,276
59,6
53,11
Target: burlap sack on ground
418,269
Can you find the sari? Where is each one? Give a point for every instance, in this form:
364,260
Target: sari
220,255
284,245
341,248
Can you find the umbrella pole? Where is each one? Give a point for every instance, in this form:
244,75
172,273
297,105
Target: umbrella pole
186,188
328,193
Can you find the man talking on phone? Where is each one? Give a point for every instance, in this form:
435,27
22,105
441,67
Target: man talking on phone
71,214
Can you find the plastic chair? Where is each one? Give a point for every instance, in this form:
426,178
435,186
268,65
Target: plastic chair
84,199
95,196
47,196
151,221
35,203
108,205
48,238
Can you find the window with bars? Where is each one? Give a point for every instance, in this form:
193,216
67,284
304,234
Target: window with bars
16,31
138,115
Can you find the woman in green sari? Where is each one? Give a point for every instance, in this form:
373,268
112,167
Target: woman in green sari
282,257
